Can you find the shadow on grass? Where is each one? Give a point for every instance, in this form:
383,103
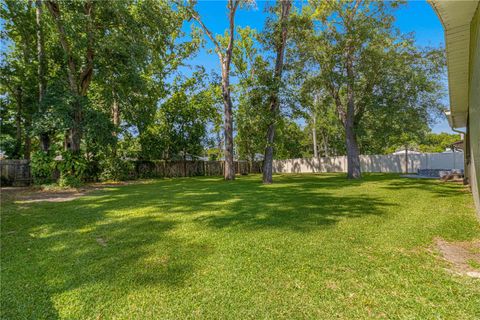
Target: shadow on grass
126,238
73,251
295,208
437,187
294,202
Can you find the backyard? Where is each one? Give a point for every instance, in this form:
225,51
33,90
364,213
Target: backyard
308,246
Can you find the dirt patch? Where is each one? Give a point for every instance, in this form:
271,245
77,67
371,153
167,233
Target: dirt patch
101,242
33,194
464,257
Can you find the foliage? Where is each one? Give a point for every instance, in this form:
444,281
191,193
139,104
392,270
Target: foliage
180,125
137,46
72,168
318,109
67,180
99,132
116,169
42,166
382,86
18,74
438,142
136,94
7,145
288,136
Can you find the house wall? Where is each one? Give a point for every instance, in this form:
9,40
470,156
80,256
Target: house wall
474,108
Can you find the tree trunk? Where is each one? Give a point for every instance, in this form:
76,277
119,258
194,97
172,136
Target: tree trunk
115,120
274,101
75,133
314,135
268,158
27,148
79,81
225,60
325,145
115,113
229,169
353,154
18,122
44,137
406,159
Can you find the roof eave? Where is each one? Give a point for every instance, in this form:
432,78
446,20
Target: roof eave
456,17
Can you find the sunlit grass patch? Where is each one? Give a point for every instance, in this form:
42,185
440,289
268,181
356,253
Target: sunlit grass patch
308,246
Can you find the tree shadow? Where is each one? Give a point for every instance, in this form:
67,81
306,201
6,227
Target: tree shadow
47,252
296,207
294,202
127,238
437,187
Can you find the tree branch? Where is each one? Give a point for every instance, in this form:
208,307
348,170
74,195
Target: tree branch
338,102
54,10
87,73
218,48
232,5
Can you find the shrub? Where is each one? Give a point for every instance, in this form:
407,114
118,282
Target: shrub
42,165
72,169
93,170
69,181
116,169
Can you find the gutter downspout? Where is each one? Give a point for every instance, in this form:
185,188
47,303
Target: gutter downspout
466,155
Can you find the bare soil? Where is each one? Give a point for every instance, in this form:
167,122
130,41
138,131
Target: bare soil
461,256
36,194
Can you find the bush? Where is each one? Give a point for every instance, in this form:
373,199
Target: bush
72,168
116,169
42,165
93,170
69,181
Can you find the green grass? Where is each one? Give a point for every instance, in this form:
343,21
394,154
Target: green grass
310,246
474,264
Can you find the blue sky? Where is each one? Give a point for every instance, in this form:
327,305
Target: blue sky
416,16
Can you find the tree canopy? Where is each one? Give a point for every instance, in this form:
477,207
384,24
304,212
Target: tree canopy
95,81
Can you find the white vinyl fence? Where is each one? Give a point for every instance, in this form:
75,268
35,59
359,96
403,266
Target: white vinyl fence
373,163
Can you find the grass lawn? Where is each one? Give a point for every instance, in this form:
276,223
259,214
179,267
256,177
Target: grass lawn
308,246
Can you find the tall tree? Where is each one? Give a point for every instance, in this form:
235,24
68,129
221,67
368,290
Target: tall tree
251,70
18,75
79,77
42,65
225,57
181,122
280,43
137,54
349,45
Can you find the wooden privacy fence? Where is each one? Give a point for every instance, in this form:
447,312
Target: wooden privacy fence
17,172
170,169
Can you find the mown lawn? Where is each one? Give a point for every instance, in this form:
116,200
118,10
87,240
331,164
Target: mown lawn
310,246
